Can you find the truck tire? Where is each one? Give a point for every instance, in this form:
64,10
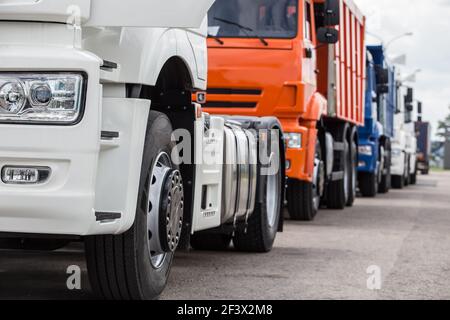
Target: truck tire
304,197
353,174
210,241
407,175
337,191
368,184
385,182
126,266
398,182
413,178
262,226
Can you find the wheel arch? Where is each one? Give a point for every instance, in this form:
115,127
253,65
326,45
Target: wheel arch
316,108
172,95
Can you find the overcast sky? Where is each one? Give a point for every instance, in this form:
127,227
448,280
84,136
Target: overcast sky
428,49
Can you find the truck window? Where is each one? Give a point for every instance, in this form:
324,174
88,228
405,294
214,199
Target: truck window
266,18
308,21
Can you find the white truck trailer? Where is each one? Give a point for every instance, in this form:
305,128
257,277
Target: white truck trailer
94,96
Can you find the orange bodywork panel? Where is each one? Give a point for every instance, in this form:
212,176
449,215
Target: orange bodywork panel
291,80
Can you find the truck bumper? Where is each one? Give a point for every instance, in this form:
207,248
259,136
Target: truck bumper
300,162
368,163
86,173
398,162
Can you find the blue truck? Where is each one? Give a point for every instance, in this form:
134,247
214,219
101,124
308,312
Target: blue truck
374,163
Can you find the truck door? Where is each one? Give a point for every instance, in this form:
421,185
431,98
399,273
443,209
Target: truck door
309,52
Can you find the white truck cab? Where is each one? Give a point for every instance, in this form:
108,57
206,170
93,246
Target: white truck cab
92,95
404,144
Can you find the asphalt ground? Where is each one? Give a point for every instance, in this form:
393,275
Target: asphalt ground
396,246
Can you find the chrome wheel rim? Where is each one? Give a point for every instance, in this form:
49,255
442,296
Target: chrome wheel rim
164,209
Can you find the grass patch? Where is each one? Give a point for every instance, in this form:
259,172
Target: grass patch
436,169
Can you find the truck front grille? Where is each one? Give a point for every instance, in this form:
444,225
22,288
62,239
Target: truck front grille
233,98
226,104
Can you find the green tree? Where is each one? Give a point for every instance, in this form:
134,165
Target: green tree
444,127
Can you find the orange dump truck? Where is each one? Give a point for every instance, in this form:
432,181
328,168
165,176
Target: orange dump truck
302,61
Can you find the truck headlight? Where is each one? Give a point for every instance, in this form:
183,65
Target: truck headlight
41,98
365,150
293,140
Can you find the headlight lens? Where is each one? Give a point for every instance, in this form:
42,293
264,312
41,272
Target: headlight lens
47,98
365,150
12,96
293,140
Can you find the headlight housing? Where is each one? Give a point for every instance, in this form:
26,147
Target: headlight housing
365,150
46,98
293,140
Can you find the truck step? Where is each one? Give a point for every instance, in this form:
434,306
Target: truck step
107,216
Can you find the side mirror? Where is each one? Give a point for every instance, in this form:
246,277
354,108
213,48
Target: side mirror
332,12
409,98
382,75
382,89
419,107
327,35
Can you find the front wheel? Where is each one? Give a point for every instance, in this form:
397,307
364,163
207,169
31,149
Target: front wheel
385,181
368,184
398,182
413,178
338,191
303,196
406,174
136,264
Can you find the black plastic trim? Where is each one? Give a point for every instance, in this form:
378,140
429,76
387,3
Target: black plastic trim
109,135
255,92
108,65
106,216
226,104
34,21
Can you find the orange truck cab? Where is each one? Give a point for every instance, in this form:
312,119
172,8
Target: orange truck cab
303,62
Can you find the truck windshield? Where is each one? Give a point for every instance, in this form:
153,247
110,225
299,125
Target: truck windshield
264,18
